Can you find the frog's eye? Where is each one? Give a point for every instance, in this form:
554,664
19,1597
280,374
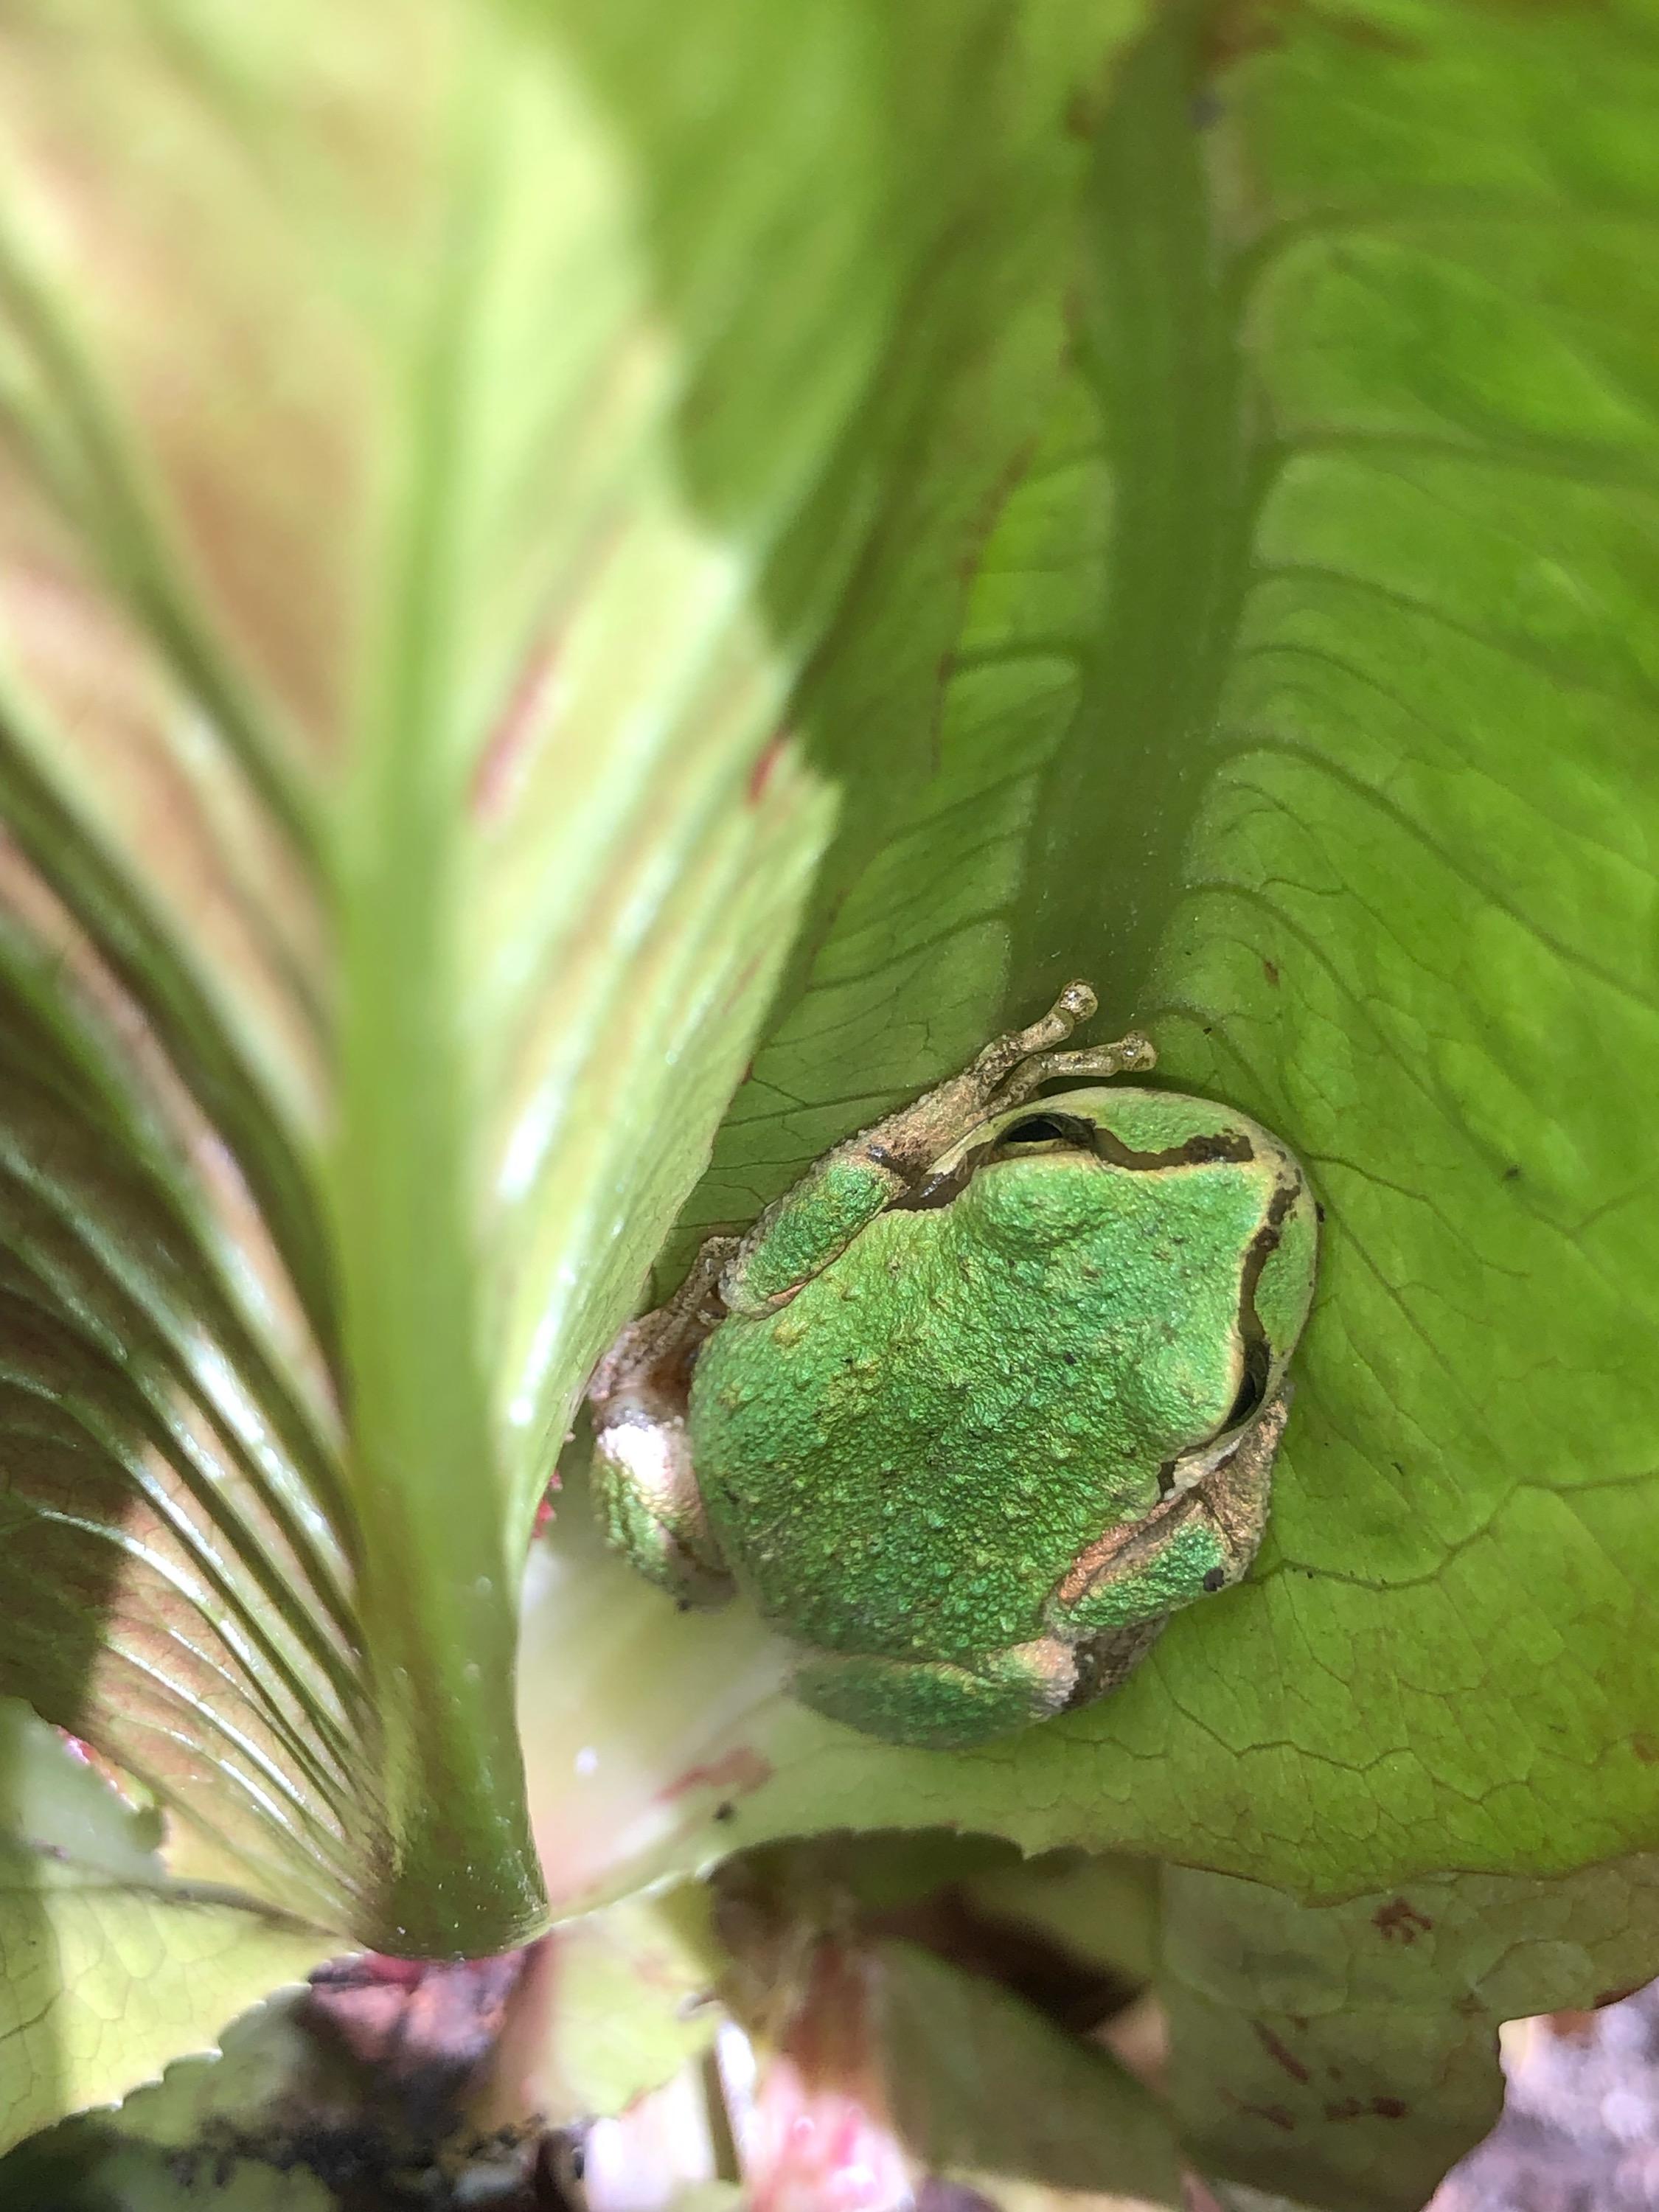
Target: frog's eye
1039,1129
1253,1387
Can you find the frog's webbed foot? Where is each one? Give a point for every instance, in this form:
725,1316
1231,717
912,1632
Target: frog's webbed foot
1105,1660
888,1164
1200,1541
1129,1055
1011,1067
646,1489
937,1704
1006,1073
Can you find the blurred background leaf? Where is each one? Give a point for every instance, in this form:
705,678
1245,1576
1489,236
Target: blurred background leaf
1346,2055
882,2069
435,439
108,1971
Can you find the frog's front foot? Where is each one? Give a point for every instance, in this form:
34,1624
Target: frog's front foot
645,1484
652,1511
937,1704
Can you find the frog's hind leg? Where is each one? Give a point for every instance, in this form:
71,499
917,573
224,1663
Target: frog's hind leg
934,1704
1202,1540
1106,1660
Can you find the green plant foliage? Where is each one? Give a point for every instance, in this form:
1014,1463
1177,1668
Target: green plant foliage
1064,2120
1104,1910
309,964
1347,2054
630,1997
881,2065
492,493
434,444
193,2138
1304,698
108,1971
131,2177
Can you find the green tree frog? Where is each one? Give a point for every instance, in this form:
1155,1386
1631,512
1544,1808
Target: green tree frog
989,1394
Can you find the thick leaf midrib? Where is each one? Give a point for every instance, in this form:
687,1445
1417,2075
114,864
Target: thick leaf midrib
1157,344
438,1584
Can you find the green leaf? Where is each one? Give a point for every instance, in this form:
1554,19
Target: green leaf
1105,1911
638,1719
998,2099
882,2069
108,1971
196,2135
1304,698
436,439
1346,2055
132,2177
54,1802
621,2002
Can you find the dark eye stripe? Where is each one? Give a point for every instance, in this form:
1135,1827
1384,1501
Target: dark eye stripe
1199,1151
1258,1352
1205,1149
936,1190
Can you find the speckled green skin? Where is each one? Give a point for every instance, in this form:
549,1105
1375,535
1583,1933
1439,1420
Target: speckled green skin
988,1394
909,1456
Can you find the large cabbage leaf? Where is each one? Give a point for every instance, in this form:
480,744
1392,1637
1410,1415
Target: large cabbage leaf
436,436
1305,699
489,486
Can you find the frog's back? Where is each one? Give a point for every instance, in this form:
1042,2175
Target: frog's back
908,1457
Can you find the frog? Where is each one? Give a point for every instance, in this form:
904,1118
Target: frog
990,1392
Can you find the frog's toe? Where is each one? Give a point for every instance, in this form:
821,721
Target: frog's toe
1105,1660
935,1704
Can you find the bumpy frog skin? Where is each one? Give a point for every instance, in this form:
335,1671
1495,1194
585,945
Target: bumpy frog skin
982,1399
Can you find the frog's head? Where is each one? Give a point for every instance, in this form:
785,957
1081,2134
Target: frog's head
1188,1215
